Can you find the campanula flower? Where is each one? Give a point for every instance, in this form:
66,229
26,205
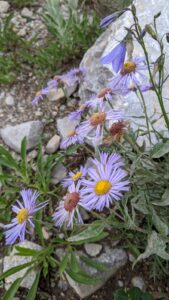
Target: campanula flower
116,57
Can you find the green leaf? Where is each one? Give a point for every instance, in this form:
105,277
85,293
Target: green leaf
91,232
23,156
160,150
120,295
159,224
32,292
64,263
9,295
165,199
156,245
94,264
74,263
26,251
97,238
135,293
82,277
15,270
38,226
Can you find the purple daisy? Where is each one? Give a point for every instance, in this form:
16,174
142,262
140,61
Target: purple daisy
113,160
75,115
74,177
40,95
24,215
95,124
130,76
67,213
73,137
97,100
104,185
116,57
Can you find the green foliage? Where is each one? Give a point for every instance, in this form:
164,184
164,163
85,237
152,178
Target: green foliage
75,32
22,3
132,294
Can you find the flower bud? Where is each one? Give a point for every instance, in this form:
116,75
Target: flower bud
149,29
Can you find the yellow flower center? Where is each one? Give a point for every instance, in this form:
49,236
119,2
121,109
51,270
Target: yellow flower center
71,133
77,176
102,187
98,118
128,67
22,215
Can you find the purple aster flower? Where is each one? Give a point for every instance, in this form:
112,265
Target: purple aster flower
75,177
95,124
40,95
130,76
74,137
97,100
67,213
111,18
75,115
116,57
24,215
104,185
113,160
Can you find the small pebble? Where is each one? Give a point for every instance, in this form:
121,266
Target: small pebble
93,249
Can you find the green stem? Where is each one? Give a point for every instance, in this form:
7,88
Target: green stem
133,145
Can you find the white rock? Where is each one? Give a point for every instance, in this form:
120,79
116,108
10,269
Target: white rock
14,260
113,259
97,75
22,32
58,173
26,12
13,135
9,100
53,144
93,249
120,283
138,281
65,126
56,95
4,6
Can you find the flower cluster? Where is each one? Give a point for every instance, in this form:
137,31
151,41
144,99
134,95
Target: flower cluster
92,188
68,79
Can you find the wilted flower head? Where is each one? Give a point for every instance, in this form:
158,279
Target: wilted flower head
116,57
73,137
130,76
40,95
75,176
105,184
118,129
67,213
24,216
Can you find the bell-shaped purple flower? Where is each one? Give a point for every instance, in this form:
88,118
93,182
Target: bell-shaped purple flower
111,18
116,57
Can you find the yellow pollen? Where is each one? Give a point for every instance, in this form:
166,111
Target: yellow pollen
71,133
128,67
102,187
98,118
77,176
22,215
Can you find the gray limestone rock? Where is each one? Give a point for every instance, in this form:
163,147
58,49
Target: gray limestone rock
53,144
138,281
98,75
14,260
65,126
13,135
93,249
4,6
